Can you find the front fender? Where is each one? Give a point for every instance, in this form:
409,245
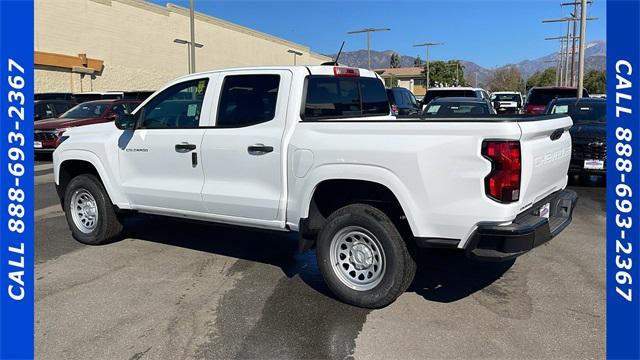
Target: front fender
106,176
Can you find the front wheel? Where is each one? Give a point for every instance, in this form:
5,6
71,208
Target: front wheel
89,211
363,258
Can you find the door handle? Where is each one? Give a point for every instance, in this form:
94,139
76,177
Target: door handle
259,149
185,147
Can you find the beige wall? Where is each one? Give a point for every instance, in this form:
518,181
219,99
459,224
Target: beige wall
135,41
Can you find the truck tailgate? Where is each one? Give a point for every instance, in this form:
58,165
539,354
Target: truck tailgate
546,152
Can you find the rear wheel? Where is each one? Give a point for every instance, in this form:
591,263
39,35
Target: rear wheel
89,211
363,258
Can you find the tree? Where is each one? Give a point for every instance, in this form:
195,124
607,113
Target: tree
505,79
395,61
596,82
443,73
542,78
417,62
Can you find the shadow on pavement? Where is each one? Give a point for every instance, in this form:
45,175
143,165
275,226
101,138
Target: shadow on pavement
447,276
267,247
442,276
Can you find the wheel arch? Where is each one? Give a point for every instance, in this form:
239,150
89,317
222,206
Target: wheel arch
72,163
356,180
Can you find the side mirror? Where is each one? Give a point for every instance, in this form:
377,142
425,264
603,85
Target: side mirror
125,122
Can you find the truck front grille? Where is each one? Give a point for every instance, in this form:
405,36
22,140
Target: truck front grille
44,135
592,150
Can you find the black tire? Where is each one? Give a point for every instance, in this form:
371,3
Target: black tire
400,266
108,227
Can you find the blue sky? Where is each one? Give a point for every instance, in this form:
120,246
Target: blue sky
490,33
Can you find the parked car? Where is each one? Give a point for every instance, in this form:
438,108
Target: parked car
588,134
507,101
46,109
539,97
314,149
458,106
48,133
438,92
402,101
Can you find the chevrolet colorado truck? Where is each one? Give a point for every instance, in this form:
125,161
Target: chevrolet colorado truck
315,150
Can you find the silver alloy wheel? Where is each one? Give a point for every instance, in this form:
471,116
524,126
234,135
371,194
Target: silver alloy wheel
84,210
357,258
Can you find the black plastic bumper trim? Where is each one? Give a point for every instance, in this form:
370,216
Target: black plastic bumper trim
528,230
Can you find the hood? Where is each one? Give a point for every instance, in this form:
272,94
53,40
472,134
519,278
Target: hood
59,123
589,131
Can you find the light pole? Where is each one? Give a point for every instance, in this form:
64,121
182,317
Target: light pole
295,54
192,25
427,46
190,52
368,31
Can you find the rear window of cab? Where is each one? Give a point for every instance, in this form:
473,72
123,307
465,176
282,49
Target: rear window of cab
344,97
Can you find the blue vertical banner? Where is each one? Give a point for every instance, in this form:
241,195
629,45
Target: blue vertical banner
623,181
16,180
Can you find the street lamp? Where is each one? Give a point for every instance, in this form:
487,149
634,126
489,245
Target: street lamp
295,54
189,52
368,31
428,45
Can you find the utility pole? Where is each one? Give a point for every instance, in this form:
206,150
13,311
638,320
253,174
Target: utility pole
476,79
583,30
574,20
427,46
368,31
192,52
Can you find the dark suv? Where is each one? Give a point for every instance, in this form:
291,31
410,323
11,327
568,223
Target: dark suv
588,134
402,101
539,97
48,132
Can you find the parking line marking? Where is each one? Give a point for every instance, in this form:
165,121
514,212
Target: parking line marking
43,179
48,212
42,167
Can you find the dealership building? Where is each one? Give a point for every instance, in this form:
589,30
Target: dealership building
129,45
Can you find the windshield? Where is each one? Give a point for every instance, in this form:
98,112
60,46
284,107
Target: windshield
583,113
458,108
85,111
434,94
506,97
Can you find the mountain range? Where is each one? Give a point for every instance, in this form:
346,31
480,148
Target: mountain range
595,59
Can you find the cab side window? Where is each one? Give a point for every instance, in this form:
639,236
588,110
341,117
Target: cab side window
247,100
178,107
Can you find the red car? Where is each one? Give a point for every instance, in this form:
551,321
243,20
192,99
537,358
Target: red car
539,97
48,132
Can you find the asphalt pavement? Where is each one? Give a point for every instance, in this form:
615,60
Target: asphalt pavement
182,290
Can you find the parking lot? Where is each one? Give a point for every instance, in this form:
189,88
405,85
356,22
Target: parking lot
183,290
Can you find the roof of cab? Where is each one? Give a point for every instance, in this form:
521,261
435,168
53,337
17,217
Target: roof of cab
458,100
311,69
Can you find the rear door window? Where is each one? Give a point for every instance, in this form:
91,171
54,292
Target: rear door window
247,100
336,97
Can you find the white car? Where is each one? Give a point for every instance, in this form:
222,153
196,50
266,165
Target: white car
314,150
507,101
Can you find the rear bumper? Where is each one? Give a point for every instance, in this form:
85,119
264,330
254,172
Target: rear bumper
528,230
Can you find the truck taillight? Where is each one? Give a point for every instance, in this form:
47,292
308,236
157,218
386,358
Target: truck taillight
503,182
346,72
394,110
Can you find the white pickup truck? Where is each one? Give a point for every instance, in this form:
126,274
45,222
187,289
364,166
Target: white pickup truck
313,149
